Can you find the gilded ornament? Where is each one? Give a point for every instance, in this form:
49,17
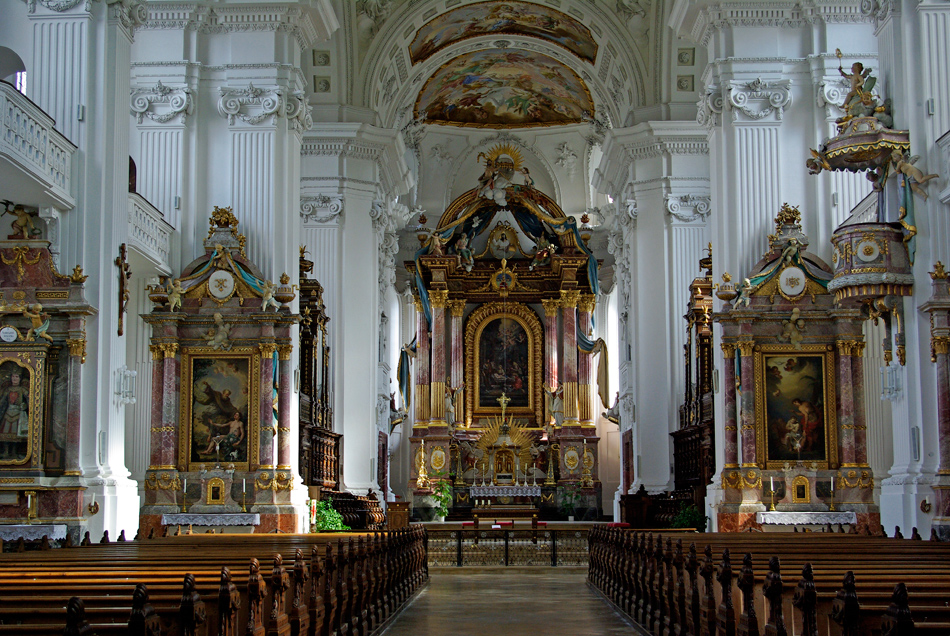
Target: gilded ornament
939,272
77,276
570,298
439,298
551,306
457,307
20,260
284,351
587,303
77,347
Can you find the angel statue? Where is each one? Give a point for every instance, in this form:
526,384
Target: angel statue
175,292
39,323
856,77
217,336
267,300
613,413
451,401
543,253
555,404
745,292
464,252
396,416
23,227
904,164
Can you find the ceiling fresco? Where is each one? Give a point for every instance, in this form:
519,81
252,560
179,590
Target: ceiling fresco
510,18
501,88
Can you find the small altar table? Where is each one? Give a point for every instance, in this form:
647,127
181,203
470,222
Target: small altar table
505,491
33,531
784,521
236,522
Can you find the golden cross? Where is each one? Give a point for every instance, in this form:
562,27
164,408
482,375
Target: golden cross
503,400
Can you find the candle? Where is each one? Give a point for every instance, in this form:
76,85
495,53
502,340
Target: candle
184,486
832,483
245,485
93,498
772,483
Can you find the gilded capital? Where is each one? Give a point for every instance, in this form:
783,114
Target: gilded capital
570,298
439,298
846,347
859,346
170,349
77,347
457,307
551,305
728,350
746,347
284,351
587,303
267,349
156,351
941,345
418,304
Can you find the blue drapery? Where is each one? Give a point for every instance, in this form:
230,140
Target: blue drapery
907,221
586,345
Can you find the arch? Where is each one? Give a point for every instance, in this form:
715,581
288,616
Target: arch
475,325
10,64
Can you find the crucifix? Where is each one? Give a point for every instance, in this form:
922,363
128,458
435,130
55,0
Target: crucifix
503,400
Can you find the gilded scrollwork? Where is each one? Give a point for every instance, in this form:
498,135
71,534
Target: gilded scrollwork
164,481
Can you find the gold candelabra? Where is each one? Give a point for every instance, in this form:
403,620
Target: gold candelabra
772,499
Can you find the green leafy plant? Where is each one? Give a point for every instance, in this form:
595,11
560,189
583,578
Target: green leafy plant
570,497
442,493
326,519
689,516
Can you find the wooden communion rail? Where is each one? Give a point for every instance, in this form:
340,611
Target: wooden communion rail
851,585
209,585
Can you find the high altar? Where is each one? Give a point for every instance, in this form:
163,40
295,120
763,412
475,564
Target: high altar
503,389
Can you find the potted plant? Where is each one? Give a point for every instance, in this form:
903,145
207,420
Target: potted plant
570,497
323,517
442,494
689,516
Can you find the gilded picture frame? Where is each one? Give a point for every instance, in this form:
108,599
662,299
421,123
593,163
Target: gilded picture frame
795,406
23,407
476,405
213,382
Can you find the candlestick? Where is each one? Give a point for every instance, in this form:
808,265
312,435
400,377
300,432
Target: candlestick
772,495
184,495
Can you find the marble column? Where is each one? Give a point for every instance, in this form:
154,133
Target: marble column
846,410
422,368
268,426
860,410
439,299
171,382
551,307
585,389
730,435
77,354
569,300
747,403
284,396
155,421
457,308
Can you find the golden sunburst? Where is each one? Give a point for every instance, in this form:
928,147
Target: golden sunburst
501,150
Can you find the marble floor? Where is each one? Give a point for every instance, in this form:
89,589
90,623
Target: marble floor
540,601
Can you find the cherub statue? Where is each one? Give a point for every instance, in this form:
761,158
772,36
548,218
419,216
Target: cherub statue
543,253
267,299
904,164
528,179
175,292
396,416
791,249
857,76
39,322
792,329
217,336
436,245
745,293
464,252
23,227
613,413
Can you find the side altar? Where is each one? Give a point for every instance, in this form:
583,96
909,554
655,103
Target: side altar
502,387
221,391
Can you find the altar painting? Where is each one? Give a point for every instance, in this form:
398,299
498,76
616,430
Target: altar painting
16,413
503,363
492,18
795,408
220,408
501,88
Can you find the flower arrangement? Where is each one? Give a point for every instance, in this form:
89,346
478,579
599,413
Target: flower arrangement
323,517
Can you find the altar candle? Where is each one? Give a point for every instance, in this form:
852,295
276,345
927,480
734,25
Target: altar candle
772,483
832,483
184,486
93,498
245,485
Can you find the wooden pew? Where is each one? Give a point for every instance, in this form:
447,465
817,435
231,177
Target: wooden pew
176,581
671,583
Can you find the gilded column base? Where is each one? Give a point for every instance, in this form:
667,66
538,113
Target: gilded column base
570,403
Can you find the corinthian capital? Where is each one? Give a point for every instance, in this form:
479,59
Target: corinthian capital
758,99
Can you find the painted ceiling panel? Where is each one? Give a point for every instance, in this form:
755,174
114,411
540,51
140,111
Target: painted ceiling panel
503,88
510,18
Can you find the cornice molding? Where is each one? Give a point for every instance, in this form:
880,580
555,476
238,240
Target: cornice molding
383,147
783,15
161,103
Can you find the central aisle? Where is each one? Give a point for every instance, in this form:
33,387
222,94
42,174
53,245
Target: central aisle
513,601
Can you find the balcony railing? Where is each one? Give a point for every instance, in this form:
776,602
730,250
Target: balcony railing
149,233
29,141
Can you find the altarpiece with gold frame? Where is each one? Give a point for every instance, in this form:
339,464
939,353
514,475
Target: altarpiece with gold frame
221,351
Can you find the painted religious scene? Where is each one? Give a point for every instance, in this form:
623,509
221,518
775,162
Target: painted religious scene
15,416
504,88
508,18
795,402
503,364
220,390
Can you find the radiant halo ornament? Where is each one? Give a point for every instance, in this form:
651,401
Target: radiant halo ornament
437,459
221,285
868,250
792,282
571,459
504,279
